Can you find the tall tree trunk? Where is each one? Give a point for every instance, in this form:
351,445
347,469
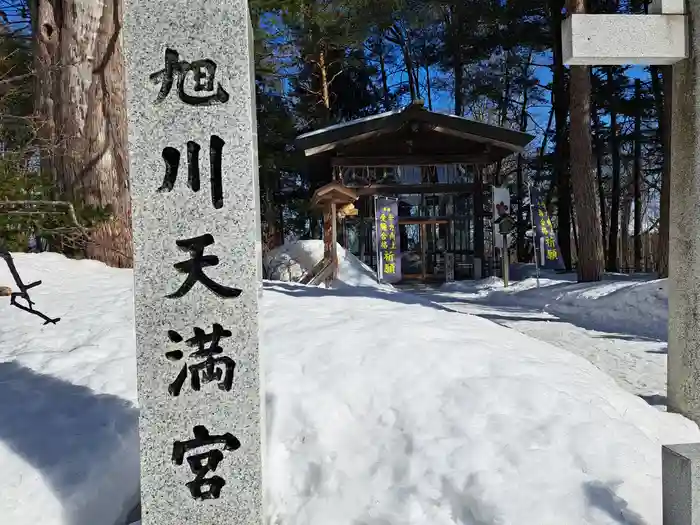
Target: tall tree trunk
522,220
637,174
590,249
561,109
325,88
80,92
458,61
385,80
503,113
427,84
599,174
625,231
612,263
663,97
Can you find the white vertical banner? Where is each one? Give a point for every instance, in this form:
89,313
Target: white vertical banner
542,252
500,208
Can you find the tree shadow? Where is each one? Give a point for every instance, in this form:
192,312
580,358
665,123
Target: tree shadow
602,496
296,290
663,350
546,299
655,400
517,319
68,433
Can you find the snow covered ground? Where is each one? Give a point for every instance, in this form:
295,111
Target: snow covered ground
619,324
383,408
69,416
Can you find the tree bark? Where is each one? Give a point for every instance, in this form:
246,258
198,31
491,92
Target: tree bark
522,218
662,97
458,62
662,247
626,210
325,89
590,250
385,82
637,174
599,176
81,92
613,233
561,110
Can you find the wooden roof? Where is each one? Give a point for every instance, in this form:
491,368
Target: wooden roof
333,193
406,136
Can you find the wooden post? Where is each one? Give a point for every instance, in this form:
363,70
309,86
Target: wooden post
422,250
478,199
334,240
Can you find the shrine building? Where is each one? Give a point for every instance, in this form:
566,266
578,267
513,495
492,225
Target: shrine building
437,166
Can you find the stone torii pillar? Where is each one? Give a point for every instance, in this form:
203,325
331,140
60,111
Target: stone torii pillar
664,38
684,235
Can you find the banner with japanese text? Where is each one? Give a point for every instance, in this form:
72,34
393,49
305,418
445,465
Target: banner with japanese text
545,237
388,249
500,209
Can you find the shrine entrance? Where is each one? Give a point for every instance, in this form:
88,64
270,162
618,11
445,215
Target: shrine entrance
423,247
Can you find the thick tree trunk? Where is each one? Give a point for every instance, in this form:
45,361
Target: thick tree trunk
599,174
590,250
613,233
561,164
80,92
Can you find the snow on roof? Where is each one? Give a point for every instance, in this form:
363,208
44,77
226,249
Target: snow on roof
350,122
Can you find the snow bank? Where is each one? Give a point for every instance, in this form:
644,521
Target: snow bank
397,412
69,437
382,409
620,303
292,260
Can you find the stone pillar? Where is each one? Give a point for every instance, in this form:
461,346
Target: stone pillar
681,484
684,249
191,109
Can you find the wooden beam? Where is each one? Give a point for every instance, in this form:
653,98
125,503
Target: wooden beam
410,160
396,189
412,220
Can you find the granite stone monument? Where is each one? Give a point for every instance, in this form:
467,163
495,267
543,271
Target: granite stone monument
192,149
681,484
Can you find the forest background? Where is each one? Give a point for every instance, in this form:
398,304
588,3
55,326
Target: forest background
601,152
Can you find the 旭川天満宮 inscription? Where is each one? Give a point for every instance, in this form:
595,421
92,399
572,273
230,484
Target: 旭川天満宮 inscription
171,156
212,368
203,76
194,268
199,468
195,216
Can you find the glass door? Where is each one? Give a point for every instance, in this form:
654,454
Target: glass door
411,250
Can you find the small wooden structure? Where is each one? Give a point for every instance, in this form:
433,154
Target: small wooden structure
333,199
436,165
